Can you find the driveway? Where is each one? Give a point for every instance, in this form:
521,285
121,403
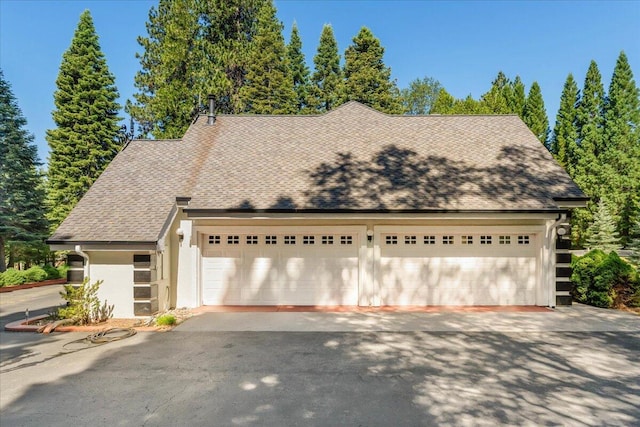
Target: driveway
345,370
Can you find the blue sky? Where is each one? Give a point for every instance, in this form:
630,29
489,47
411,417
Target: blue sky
463,44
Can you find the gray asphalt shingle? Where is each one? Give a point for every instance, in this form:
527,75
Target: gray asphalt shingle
352,158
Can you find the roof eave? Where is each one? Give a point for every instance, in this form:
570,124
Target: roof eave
102,245
571,202
200,212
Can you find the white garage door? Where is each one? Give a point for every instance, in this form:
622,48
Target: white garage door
280,267
488,267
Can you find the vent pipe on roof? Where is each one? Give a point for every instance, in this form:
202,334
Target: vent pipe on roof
211,118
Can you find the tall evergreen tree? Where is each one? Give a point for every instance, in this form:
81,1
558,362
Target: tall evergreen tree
589,121
563,141
327,83
535,115
634,240
588,171
367,78
516,98
420,96
496,100
602,232
22,215
298,70
268,88
620,156
443,104
86,115
193,48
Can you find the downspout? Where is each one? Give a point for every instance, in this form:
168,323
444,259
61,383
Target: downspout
84,255
552,292
560,220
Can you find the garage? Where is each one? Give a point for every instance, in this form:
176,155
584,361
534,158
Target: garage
281,266
457,266
409,265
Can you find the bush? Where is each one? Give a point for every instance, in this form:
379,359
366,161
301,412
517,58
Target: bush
52,272
62,270
13,277
166,320
604,280
35,274
83,305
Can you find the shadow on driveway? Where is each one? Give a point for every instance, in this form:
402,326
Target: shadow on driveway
343,378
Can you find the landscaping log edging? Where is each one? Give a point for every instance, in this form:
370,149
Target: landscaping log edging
33,285
28,325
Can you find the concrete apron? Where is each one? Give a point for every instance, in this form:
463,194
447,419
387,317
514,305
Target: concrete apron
576,318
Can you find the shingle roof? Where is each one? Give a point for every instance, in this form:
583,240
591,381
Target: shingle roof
352,158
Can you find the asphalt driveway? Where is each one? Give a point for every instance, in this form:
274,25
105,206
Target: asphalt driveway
206,374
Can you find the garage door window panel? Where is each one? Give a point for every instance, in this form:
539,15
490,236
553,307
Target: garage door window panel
271,240
429,240
346,240
410,240
327,240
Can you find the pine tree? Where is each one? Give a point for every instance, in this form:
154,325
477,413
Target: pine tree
22,214
420,96
367,78
620,155
634,240
327,83
589,121
298,70
469,105
602,232
193,48
535,115
443,103
86,115
516,98
496,100
587,171
268,88
563,141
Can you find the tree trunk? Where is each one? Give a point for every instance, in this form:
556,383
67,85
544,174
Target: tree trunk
11,261
3,266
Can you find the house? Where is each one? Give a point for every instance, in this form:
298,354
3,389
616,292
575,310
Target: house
351,207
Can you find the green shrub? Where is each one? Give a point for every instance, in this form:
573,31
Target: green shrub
62,270
1,280
603,280
13,277
83,305
166,320
52,272
35,274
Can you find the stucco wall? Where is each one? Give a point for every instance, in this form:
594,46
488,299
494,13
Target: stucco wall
116,270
